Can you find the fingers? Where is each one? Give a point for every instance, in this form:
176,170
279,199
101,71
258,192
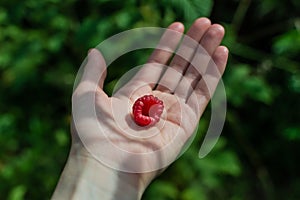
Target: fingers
167,44
205,88
212,38
208,44
162,54
218,62
148,76
180,62
94,72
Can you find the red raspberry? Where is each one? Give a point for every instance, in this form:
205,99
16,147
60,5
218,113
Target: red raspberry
147,110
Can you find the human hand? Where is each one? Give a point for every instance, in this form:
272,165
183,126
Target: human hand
111,136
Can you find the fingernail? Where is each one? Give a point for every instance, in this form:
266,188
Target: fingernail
219,27
89,51
177,26
225,49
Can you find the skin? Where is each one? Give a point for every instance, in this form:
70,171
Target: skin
84,177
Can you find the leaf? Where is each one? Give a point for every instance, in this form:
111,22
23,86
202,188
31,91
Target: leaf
17,193
163,190
295,82
191,9
292,133
242,84
193,193
288,43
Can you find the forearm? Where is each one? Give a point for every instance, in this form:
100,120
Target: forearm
86,178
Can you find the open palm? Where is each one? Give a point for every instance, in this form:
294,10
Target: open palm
111,135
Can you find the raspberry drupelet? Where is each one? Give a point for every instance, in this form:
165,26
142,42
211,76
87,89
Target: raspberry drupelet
147,110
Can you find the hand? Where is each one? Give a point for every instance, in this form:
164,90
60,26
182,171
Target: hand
112,137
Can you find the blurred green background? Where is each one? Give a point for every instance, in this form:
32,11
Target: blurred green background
42,44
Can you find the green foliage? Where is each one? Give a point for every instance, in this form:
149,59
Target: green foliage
285,44
191,9
249,86
42,44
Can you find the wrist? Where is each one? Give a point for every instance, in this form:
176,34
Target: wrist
84,177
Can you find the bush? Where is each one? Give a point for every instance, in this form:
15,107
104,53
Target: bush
44,42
